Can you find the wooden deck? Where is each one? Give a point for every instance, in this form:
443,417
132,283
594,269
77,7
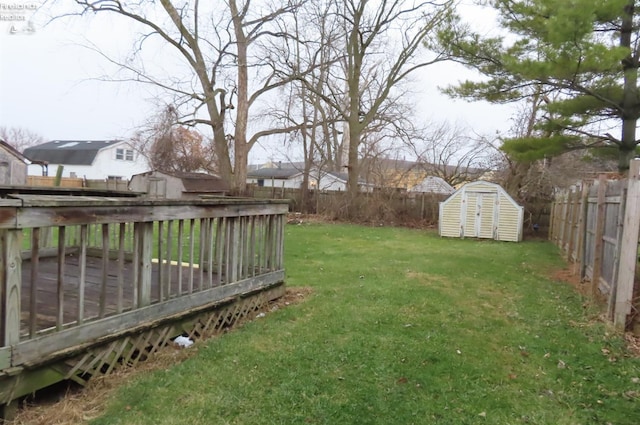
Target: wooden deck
89,281
118,293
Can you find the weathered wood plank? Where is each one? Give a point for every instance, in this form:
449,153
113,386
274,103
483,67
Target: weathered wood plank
46,347
161,273
35,260
209,238
37,216
105,269
203,251
10,272
145,241
234,241
220,246
575,215
582,248
60,279
598,242
192,223
121,242
5,358
628,249
616,264
180,248
82,277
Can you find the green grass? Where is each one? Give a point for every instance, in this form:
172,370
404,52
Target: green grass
403,327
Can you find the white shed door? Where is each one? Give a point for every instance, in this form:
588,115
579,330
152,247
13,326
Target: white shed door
481,213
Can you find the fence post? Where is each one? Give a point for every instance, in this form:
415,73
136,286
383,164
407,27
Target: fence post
575,216
582,244
599,233
628,248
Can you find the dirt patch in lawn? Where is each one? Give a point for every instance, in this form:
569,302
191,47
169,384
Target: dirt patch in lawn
572,277
70,403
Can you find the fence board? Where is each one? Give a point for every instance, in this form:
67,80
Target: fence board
628,248
587,225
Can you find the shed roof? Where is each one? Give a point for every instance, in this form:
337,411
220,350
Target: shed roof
193,182
69,152
202,182
13,151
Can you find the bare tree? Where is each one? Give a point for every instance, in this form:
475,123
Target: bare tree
383,44
452,152
20,138
218,44
170,147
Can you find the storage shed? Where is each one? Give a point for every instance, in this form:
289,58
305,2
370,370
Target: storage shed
481,210
177,185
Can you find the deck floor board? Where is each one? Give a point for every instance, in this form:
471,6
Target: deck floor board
47,289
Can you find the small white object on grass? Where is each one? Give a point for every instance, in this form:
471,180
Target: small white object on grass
183,341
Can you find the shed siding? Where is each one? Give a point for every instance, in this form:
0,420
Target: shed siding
483,210
468,216
450,218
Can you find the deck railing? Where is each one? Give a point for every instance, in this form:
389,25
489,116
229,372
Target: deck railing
77,270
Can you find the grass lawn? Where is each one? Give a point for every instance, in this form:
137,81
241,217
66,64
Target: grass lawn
403,327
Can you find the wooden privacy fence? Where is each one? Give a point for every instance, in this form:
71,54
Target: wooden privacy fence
596,225
382,205
78,271
106,184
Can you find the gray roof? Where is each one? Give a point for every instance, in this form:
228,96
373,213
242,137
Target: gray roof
273,173
201,182
68,152
433,184
193,182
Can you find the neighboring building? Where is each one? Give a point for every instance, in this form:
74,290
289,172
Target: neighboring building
157,184
292,178
90,159
433,185
481,210
13,166
403,175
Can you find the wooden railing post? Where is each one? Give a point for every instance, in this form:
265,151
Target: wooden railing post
628,249
11,275
144,234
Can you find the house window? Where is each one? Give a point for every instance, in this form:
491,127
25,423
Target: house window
114,178
124,154
260,182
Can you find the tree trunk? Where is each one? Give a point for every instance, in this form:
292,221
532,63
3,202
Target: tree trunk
630,94
241,150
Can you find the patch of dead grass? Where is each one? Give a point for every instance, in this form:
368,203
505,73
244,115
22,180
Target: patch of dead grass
81,406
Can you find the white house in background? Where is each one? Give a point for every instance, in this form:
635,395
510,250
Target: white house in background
292,178
433,185
90,159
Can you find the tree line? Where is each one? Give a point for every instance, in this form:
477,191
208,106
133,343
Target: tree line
332,78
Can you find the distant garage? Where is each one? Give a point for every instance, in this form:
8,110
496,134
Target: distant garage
481,210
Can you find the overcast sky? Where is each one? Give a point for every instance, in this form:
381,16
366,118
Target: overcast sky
47,82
